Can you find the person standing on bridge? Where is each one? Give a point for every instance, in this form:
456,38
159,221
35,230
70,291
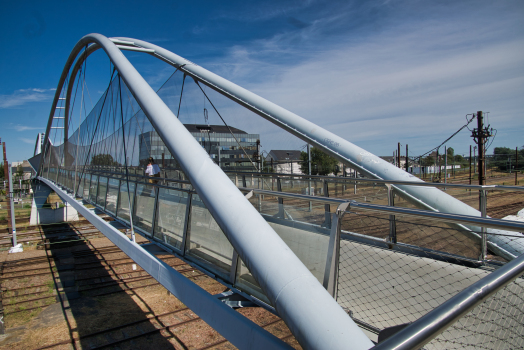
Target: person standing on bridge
152,170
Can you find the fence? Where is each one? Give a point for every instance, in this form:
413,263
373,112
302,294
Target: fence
386,265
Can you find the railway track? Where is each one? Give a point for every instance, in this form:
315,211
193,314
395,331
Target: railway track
71,274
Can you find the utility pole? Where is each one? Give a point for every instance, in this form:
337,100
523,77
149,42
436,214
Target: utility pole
11,224
259,156
7,190
394,157
12,206
309,173
398,155
437,161
407,163
470,164
445,165
480,134
516,164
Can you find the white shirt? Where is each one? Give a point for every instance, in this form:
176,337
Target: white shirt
152,169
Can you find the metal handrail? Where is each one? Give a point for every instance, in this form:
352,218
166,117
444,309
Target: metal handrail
437,216
392,182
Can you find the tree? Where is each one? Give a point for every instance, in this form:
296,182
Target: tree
459,159
103,159
19,171
428,161
321,163
450,152
501,156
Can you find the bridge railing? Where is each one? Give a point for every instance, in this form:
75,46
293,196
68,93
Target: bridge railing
381,284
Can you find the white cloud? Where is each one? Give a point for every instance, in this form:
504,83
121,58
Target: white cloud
24,96
25,128
414,81
29,141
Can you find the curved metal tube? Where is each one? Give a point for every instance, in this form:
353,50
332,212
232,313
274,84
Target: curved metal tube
425,197
314,318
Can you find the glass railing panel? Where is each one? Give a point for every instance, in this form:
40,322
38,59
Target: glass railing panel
266,204
79,190
247,283
144,207
207,241
293,185
93,188
59,177
70,179
65,178
112,196
125,198
86,184
268,183
102,191
302,227
171,216
372,224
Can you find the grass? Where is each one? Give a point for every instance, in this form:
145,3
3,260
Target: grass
50,286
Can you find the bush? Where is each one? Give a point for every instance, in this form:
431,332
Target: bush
27,206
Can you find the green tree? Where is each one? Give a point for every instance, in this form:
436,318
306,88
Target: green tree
321,163
19,171
428,161
501,156
103,159
459,159
450,152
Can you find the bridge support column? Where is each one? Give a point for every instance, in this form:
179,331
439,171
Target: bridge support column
41,214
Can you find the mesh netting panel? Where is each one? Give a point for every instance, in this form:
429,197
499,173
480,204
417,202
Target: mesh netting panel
497,323
385,288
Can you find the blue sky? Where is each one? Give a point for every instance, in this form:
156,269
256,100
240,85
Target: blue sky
373,72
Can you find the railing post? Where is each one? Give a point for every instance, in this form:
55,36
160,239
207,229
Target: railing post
260,196
107,192
392,223
97,188
117,197
483,210
355,176
281,213
327,207
235,262
155,209
333,255
309,192
186,236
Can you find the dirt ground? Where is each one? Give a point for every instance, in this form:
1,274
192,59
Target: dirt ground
112,303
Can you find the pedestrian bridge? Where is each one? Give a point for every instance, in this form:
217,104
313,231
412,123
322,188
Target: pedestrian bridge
381,261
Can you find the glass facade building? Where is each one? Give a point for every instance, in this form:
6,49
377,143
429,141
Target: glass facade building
229,147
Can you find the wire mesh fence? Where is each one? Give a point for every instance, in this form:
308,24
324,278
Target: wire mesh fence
497,323
384,285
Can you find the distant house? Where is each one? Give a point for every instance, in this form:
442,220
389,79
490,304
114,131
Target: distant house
285,161
28,170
